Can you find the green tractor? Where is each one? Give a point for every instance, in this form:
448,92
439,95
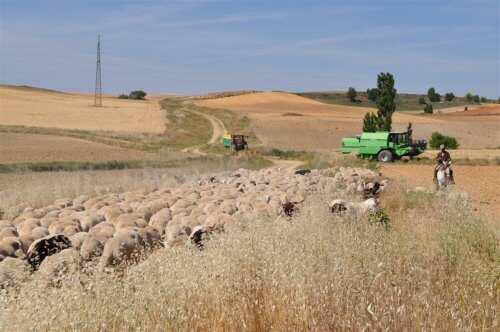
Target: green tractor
383,145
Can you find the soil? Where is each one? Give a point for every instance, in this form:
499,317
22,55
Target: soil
321,127
20,148
480,182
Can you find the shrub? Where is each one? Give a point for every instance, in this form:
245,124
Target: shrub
352,94
370,122
123,96
428,109
437,139
484,99
476,99
421,100
137,95
449,96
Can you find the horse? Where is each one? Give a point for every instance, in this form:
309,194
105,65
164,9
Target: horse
443,176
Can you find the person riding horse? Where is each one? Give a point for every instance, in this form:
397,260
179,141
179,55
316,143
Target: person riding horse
443,157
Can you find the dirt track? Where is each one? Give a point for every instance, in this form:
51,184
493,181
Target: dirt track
480,182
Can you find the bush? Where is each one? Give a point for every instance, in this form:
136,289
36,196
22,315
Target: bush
476,99
137,95
370,123
352,94
421,100
484,99
449,96
428,109
437,139
123,96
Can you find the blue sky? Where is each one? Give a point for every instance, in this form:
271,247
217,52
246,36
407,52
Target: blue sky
197,46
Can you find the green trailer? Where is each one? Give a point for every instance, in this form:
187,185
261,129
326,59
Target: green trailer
383,145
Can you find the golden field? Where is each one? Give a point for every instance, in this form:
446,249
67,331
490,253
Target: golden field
40,108
289,121
22,148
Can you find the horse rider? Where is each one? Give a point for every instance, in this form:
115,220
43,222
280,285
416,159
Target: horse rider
443,157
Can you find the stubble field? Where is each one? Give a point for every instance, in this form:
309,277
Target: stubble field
22,148
40,108
292,122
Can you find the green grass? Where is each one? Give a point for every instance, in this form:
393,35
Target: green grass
73,166
184,128
246,161
404,101
288,154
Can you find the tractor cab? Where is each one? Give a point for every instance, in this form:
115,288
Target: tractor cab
235,142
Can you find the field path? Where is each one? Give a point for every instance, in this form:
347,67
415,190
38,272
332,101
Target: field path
217,126
218,130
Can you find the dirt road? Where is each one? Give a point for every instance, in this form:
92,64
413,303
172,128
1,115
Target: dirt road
218,130
480,182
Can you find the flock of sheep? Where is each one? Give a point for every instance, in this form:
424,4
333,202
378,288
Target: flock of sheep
115,228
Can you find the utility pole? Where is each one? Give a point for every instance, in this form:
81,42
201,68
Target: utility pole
98,83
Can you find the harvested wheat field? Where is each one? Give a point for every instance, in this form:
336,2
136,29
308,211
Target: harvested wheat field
480,182
21,148
487,155
289,121
50,109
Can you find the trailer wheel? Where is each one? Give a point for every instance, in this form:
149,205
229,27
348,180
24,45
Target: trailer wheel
385,156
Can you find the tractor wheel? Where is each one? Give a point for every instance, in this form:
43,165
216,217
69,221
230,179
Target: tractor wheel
385,156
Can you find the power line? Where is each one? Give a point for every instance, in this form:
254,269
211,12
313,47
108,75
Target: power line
98,82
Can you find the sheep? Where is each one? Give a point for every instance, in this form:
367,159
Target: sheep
78,239
123,246
44,247
91,247
160,220
39,232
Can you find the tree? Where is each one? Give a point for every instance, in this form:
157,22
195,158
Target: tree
428,108
484,99
123,96
449,96
476,99
433,95
469,97
370,122
421,100
137,94
352,94
386,103
373,94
